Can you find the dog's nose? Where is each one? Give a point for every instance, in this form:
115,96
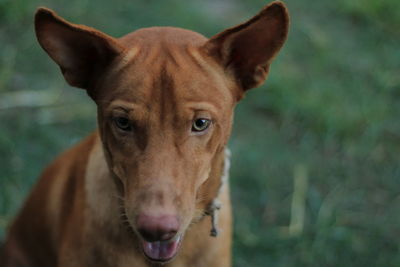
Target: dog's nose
157,228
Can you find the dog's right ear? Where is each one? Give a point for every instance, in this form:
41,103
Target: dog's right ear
81,52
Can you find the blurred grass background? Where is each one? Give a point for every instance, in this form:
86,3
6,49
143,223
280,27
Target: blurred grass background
316,166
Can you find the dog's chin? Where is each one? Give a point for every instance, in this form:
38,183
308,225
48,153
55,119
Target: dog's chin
161,251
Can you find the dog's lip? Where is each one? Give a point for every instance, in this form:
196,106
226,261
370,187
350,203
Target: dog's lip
161,251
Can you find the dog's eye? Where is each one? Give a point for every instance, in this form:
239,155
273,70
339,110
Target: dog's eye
200,125
123,123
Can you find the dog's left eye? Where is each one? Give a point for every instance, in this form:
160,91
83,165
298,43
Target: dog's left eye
200,125
123,123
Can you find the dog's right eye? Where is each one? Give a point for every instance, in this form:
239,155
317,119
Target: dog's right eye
123,123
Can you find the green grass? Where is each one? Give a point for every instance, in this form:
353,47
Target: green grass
331,105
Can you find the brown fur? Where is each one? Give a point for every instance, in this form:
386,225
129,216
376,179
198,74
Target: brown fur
82,211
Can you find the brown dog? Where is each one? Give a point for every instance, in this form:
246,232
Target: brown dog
136,191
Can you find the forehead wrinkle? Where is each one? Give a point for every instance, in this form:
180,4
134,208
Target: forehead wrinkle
123,61
212,70
168,94
144,58
171,57
127,105
196,60
189,84
210,106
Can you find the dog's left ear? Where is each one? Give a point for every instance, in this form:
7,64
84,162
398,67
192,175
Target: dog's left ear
246,51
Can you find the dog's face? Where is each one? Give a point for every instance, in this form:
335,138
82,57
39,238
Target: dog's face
166,119
165,100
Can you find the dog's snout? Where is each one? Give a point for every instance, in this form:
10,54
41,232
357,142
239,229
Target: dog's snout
157,228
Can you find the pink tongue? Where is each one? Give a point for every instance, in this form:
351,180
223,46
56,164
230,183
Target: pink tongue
160,250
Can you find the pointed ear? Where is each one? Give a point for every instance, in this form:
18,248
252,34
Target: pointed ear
81,52
246,51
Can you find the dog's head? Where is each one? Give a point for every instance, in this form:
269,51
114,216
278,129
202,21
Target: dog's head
165,100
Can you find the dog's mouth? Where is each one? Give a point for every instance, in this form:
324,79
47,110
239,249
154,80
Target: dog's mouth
161,251
156,251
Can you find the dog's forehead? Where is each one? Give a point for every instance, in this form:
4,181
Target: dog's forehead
165,35
168,63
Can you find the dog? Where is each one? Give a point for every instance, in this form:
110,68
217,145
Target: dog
138,191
